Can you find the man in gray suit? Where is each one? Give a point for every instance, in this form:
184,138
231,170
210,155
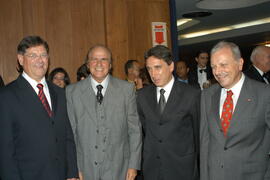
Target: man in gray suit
235,121
103,115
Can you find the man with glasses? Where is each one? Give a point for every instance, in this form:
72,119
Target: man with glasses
103,115
36,137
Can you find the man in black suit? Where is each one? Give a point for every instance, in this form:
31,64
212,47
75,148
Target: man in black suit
202,74
168,110
259,70
36,137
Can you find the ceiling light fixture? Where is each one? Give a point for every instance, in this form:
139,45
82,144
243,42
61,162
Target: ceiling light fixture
226,28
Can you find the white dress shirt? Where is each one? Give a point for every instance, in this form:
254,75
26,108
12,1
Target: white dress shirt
104,84
167,88
34,84
236,89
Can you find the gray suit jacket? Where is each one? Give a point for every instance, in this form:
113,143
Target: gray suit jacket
243,155
110,143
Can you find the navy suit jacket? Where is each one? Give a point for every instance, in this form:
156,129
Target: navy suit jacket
33,145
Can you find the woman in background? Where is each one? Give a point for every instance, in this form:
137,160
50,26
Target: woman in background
59,77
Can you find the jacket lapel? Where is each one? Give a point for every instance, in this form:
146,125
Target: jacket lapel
88,98
53,96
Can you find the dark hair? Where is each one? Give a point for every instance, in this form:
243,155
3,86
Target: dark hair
129,64
59,70
160,52
82,71
31,41
200,52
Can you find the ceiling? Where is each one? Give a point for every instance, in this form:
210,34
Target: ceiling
244,37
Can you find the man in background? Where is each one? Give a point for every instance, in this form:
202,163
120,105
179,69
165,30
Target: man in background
202,73
103,114
259,70
36,137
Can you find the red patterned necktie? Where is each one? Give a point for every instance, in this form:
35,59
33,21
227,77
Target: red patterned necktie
227,112
43,99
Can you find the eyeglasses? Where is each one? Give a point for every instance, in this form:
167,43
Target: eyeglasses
34,56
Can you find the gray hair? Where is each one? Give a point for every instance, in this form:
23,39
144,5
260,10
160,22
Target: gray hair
254,53
233,47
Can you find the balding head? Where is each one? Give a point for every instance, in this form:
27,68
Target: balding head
260,57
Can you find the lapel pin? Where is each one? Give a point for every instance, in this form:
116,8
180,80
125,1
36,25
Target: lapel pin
248,100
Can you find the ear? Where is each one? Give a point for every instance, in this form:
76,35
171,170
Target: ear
241,63
196,59
187,70
20,59
171,66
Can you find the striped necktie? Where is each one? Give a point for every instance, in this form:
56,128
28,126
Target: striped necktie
43,99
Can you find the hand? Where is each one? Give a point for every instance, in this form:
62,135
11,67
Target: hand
80,176
73,179
131,174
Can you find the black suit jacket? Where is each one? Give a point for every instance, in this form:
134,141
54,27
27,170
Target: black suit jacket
193,75
252,73
171,140
33,145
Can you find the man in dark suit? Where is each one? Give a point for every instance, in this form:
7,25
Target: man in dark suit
36,137
259,70
235,121
168,111
202,74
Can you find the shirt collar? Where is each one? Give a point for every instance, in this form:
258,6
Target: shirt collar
104,83
33,82
237,87
167,87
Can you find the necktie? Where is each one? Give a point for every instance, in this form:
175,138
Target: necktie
99,94
227,112
162,101
43,99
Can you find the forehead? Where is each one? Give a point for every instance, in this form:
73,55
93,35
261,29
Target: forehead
99,51
181,64
38,48
203,54
153,61
222,55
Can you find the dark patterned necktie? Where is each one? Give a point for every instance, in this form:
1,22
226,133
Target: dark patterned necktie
162,101
227,112
44,100
99,94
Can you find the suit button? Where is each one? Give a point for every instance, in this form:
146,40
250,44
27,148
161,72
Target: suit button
96,146
96,163
225,148
158,157
220,130
97,131
56,159
52,122
160,124
160,141
221,166
56,140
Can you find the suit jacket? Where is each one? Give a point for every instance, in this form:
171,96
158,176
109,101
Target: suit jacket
171,139
252,73
193,75
243,154
33,145
110,143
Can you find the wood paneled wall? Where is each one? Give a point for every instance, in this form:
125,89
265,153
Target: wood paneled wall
71,27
